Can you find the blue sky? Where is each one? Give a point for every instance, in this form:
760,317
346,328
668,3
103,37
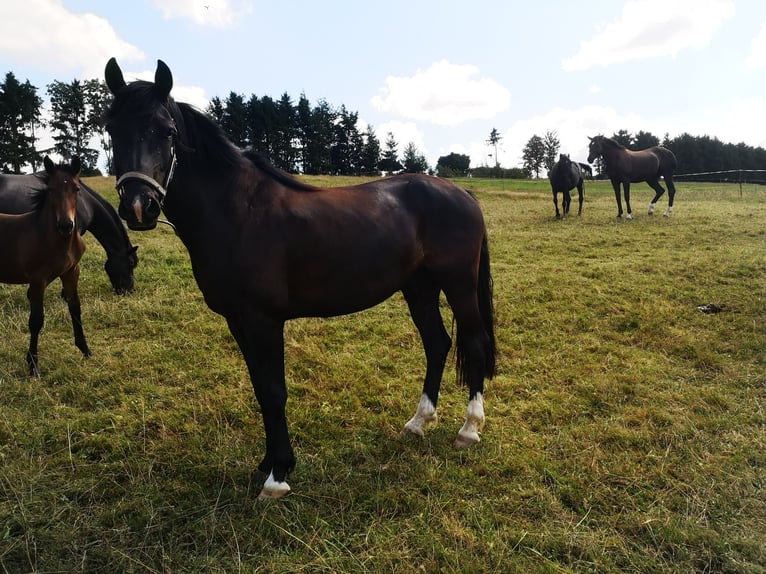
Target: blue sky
439,74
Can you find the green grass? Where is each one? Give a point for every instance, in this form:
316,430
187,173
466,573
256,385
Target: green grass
625,430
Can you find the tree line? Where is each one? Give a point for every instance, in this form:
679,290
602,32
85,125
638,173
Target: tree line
304,138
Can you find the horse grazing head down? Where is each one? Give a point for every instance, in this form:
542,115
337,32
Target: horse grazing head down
63,190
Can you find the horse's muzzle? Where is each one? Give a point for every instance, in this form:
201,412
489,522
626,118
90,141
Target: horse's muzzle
65,227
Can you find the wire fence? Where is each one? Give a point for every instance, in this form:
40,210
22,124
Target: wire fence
739,176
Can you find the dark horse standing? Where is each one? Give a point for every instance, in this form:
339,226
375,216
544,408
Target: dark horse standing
94,214
266,248
626,166
564,176
43,244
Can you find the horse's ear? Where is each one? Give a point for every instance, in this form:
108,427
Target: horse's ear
590,138
75,165
49,166
114,80
163,80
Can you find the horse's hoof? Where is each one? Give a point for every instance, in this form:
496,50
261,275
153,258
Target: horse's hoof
628,217
272,489
465,439
413,430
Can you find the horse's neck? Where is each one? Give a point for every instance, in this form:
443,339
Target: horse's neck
105,226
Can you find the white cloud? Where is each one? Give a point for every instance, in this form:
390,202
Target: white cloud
213,13
444,94
757,57
650,29
43,33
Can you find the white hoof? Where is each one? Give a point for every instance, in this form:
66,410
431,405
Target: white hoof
474,422
651,209
425,415
668,212
629,217
273,489
466,438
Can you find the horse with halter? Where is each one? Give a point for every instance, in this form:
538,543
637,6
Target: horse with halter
43,244
18,194
266,248
624,166
564,176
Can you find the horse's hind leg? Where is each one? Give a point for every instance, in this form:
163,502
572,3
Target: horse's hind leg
472,342
422,296
671,194
69,293
567,202
35,294
658,191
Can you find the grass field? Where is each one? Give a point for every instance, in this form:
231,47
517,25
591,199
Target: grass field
626,430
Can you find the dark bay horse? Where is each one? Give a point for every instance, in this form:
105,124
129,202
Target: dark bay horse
624,166
266,248
43,244
94,214
565,176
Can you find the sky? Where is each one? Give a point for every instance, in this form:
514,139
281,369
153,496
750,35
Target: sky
439,74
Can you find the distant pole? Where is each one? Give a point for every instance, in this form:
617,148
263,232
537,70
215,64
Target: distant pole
740,183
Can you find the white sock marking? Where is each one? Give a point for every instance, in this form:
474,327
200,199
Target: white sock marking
425,414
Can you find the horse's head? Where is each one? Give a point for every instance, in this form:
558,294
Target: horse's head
595,148
144,135
63,189
119,268
564,160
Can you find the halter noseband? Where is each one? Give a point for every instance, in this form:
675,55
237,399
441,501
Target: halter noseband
150,181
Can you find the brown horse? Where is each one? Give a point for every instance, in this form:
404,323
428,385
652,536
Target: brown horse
565,175
43,244
266,248
624,166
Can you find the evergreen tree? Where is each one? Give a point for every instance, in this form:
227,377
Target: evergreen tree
413,160
453,165
370,155
285,132
389,161
19,114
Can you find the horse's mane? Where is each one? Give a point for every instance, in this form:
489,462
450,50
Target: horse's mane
609,142
207,139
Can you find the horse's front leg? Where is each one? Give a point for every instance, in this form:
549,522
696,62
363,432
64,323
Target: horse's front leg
69,293
626,192
556,204
261,341
616,187
567,202
35,294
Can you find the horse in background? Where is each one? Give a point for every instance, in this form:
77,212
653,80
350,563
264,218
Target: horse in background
587,170
38,246
565,176
18,194
624,166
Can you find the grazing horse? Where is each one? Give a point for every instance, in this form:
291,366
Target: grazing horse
564,176
94,214
587,170
626,166
266,248
43,244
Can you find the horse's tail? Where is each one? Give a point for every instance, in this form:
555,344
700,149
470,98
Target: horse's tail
487,309
487,314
